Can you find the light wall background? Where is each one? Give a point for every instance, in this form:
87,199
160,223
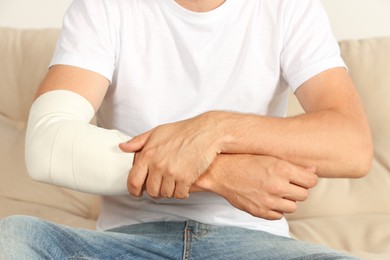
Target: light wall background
351,19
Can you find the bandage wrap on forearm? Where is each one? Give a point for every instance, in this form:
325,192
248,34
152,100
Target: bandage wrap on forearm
62,148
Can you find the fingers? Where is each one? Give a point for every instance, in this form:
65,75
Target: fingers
286,206
296,192
305,178
165,188
273,208
153,184
142,177
271,215
158,187
136,178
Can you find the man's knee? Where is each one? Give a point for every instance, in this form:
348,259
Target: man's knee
19,230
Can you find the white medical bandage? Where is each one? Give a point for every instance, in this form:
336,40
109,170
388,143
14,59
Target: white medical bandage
64,149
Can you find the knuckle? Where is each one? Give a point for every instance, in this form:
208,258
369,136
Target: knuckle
276,189
268,202
282,168
135,193
146,155
158,166
133,185
170,172
182,180
163,168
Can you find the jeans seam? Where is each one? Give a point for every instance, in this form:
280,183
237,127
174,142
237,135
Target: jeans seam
187,242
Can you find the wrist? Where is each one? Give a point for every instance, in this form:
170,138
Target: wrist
210,180
201,185
223,134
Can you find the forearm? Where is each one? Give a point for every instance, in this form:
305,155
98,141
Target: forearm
62,148
335,144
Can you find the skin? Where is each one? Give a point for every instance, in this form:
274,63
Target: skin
265,171
200,5
333,136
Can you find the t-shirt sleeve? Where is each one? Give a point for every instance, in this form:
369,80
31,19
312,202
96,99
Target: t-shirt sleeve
309,46
87,38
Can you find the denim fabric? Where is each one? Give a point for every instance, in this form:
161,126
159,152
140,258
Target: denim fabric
32,238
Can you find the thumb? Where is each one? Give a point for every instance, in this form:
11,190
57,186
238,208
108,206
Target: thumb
136,143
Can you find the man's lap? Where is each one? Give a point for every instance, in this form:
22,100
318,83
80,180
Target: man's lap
32,238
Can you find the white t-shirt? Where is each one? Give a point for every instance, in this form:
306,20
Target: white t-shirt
167,63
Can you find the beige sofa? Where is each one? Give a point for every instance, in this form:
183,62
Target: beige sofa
349,215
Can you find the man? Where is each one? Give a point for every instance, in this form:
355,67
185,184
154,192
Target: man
213,165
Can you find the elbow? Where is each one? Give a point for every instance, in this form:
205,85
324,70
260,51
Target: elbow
362,160
36,164
361,152
366,162
366,154
37,158
363,169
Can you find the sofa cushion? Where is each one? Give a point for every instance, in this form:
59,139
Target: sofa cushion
365,236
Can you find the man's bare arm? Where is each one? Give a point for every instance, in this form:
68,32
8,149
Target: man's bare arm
333,136
88,84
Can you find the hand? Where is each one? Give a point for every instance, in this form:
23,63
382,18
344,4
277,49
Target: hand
171,157
263,186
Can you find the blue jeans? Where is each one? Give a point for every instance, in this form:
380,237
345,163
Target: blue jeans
32,238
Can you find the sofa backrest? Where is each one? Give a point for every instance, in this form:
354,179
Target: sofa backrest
25,55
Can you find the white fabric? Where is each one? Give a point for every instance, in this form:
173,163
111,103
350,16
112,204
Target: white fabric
62,148
167,63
